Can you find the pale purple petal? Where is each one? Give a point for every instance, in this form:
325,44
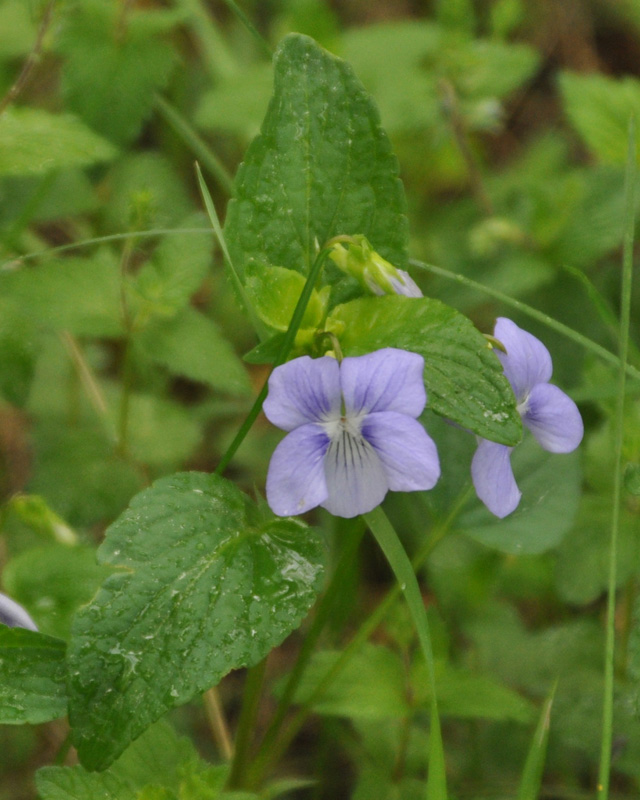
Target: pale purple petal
405,285
303,390
527,361
493,478
14,615
407,452
356,480
296,481
553,418
386,380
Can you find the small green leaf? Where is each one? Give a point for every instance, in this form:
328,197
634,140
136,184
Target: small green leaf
463,378
17,30
32,677
209,583
156,758
237,104
35,142
17,352
114,65
582,568
161,432
79,295
77,473
371,685
274,293
599,108
191,345
177,268
321,166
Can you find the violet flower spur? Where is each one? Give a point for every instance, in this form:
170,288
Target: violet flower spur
353,432
551,416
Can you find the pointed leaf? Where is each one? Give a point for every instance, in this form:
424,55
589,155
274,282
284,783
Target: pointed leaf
321,166
209,584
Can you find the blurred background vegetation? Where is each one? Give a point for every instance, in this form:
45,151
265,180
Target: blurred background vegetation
120,358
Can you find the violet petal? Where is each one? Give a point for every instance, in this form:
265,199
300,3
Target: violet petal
407,452
385,380
356,479
553,418
296,481
493,478
14,615
303,390
527,361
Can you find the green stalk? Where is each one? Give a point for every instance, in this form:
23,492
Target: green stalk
127,366
396,555
247,723
532,773
218,58
286,346
545,319
258,325
196,144
262,42
112,237
625,312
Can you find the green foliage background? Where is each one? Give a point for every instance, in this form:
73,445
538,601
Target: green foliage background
121,349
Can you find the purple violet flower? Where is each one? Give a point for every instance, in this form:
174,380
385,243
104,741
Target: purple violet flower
14,615
353,432
551,416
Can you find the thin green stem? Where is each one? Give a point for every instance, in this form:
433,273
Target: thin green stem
262,42
258,325
126,372
625,316
545,319
112,237
196,144
217,722
287,344
461,136
32,59
247,723
217,56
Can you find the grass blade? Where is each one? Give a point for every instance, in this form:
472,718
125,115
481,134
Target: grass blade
625,312
259,327
399,562
531,780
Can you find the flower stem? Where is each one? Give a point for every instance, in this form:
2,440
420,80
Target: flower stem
247,723
217,722
625,314
396,555
533,313
286,346
195,143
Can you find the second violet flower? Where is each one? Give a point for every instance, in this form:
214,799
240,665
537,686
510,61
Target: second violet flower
353,432
551,416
